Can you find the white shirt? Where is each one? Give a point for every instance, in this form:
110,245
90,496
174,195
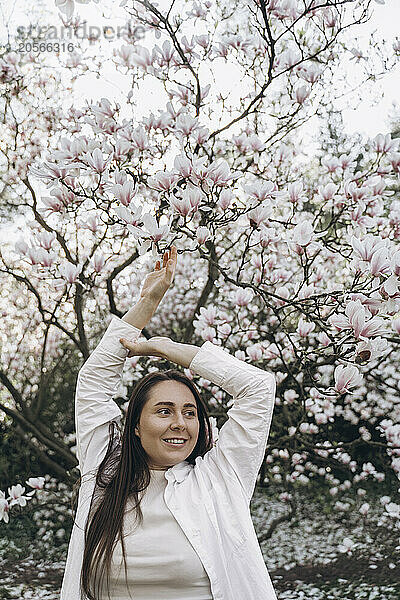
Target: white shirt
209,500
161,562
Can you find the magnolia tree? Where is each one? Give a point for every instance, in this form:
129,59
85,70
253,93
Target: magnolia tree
290,263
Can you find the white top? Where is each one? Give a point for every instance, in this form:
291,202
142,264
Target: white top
161,563
210,499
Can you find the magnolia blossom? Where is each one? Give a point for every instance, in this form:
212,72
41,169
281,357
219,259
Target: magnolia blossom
358,318
125,192
304,329
96,160
225,199
220,174
16,495
393,509
260,214
242,297
384,143
260,190
347,546
70,272
303,234
203,234
302,92
347,378
163,180
132,216
98,261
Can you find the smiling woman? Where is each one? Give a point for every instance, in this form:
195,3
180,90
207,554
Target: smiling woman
191,536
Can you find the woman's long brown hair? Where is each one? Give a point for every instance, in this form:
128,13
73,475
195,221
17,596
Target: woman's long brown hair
124,472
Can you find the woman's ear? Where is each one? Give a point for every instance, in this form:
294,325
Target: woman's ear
137,431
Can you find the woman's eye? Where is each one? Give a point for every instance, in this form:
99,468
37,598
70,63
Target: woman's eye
192,413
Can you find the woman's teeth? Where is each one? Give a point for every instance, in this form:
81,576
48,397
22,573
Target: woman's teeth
175,442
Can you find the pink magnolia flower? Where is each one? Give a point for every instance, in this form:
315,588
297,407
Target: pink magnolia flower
36,482
302,92
396,325
347,378
125,192
303,233
165,55
98,260
141,57
181,205
296,193
260,190
16,495
220,174
208,315
380,264
203,234
96,160
21,246
304,329
183,165
52,204
394,158
131,215
139,138
383,144
254,352
214,430
91,222
357,317
70,272
370,349
261,213
255,143
186,124
122,148
391,286
163,180
225,199
242,297
46,239
366,248
156,232
36,255
224,330
347,546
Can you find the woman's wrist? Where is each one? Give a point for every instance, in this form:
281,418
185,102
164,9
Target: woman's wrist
140,314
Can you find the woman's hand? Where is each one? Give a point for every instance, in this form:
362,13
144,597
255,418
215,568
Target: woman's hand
157,283
155,346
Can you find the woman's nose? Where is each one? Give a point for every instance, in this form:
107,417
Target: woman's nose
178,420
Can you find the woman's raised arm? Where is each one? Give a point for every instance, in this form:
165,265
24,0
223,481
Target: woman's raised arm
153,290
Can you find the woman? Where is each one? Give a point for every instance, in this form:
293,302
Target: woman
176,512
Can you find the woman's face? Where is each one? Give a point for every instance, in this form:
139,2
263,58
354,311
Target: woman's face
170,412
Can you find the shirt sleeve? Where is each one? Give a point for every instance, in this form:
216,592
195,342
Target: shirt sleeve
97,383
242,440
